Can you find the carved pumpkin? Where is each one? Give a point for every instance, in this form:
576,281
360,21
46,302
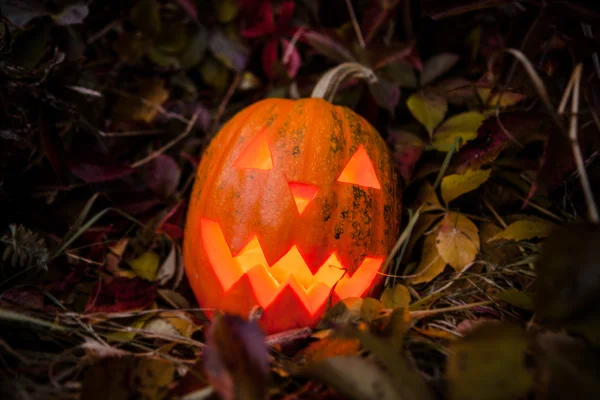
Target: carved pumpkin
295,206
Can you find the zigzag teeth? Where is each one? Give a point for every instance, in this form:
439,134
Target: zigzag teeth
291,269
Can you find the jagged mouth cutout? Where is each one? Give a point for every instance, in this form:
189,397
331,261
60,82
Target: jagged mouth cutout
291,269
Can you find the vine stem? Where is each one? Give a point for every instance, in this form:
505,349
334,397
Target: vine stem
328,85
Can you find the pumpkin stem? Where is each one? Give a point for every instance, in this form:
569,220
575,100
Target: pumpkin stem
329,83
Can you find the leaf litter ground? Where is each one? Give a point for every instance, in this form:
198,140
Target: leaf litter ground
490,112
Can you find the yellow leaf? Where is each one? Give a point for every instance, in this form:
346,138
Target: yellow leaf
146,265
154,94
458,240
431,264
443,141
463,125
428,108
397,296
454,186
503,100
525,229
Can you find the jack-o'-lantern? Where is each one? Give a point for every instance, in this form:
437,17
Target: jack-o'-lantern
295,206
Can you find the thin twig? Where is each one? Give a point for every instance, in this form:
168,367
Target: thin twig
429,313
225,100
158,152
361,40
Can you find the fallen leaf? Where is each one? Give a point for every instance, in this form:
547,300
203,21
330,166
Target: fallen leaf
176,300
463,125
431,263
456,185
497,253
407,148
428,108
423,225
370,309
72,14
396,296
327,348
457,240
525,230
516,298
437,66
236,358
489,363
172,324
353,377
121,294
492,138
146,265
455,90
162,175
502,100
343,312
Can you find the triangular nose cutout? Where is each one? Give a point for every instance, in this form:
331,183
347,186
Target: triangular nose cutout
360,171
256,155
303,194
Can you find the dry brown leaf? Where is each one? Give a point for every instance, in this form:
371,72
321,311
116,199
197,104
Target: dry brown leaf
457,240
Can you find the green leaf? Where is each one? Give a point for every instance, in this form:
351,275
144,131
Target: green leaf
428,108
489,364
145,16
454,186
463,125
30,46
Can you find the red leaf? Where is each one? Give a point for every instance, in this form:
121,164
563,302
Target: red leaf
236,358
556,163
285,16
121,294
292,61
264,24
27,297
93,168
407,149
190,7
269,56
175,232
492,139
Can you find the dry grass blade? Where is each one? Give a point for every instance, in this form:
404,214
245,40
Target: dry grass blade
572,91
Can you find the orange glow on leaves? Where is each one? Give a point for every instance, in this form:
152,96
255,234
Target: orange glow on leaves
303,194
360,171
256,155
290,270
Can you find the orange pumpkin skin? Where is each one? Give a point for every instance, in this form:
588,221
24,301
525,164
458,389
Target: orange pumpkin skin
276,218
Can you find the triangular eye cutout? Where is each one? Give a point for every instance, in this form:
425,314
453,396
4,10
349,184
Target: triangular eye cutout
256,155
360,171
303,194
